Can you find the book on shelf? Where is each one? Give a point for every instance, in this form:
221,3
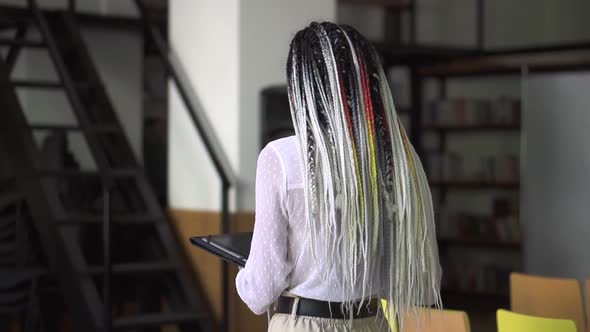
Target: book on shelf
492,279
504,212
452,166
502,226
492,229
484,228
473,112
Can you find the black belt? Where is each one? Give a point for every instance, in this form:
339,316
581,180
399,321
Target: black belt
324,309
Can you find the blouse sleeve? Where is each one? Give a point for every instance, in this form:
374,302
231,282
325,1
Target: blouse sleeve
266,274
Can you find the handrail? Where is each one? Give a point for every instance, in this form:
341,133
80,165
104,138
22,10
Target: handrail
106,256
212,144
191,101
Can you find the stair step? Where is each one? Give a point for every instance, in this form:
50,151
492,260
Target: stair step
95,128
76,219
13,276
9,199
45,84
133,268
86,173
22,43
37,84
11,23
8,221
7,233
7,249
154,320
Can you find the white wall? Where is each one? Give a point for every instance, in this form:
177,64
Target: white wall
232,50
266,29
556,183
205,35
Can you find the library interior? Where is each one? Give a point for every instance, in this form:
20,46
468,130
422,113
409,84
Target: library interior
131,131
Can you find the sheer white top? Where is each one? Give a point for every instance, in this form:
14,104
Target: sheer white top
280,257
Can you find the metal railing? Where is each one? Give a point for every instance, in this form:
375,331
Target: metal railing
106,255
204,128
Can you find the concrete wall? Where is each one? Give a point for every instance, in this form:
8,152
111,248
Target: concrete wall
556,183
205,36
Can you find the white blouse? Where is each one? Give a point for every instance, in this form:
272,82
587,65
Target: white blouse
280,257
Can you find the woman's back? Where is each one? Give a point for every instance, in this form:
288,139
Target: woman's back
343,209
280,215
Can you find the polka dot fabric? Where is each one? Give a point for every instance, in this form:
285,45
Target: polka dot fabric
280,256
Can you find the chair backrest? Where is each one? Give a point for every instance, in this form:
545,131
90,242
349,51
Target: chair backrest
432,320
509,321
547,297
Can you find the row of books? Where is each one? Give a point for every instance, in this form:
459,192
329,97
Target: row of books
471,111
454,167
476,227
493,279
501,225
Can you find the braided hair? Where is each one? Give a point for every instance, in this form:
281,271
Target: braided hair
368,205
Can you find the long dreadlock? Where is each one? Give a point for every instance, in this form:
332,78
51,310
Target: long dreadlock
367,200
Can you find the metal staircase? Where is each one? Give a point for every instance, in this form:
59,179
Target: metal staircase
106,237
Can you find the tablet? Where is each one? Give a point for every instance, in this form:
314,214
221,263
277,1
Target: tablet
232,247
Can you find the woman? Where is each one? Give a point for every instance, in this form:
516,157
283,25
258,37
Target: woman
343,209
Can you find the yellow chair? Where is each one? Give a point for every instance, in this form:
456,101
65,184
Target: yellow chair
547,297
432,320
509,321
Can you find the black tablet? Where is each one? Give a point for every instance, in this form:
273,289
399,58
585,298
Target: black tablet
232,247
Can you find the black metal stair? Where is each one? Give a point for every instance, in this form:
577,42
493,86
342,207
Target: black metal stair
73,208
20,268
118,219
93,129
37,84
21,43
133,268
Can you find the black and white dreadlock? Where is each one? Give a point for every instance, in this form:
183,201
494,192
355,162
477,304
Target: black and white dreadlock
368,204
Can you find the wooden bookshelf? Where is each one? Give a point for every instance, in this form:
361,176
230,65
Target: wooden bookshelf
479,128
474,185
480,243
